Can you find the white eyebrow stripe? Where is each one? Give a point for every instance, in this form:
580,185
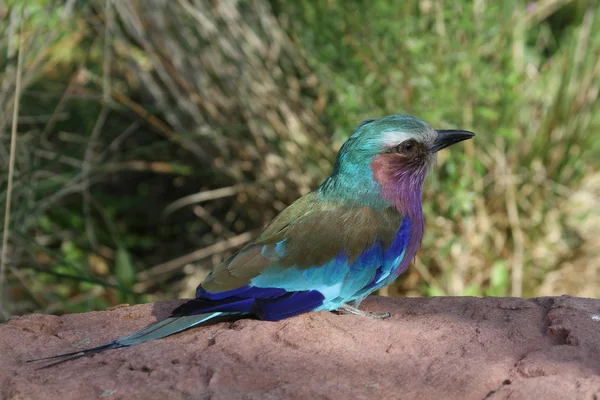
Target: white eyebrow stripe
393,138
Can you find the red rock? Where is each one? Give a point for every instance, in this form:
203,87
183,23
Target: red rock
431,348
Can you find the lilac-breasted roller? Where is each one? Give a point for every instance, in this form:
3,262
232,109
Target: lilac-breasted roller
332,247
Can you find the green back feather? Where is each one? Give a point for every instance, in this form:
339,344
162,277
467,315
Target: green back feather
314,232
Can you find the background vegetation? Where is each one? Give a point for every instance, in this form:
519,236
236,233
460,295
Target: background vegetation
155,138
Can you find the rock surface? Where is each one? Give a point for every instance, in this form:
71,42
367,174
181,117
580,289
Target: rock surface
431,348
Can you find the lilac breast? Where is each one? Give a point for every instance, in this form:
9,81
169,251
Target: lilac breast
402,185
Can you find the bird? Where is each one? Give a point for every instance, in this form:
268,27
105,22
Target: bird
354,234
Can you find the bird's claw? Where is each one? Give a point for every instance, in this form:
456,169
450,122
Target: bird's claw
348,309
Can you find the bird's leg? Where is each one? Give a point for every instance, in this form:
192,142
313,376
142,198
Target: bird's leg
348,309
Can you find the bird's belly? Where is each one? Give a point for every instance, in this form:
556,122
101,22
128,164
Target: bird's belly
359,284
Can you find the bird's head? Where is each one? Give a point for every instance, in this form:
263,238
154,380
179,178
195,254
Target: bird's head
387,159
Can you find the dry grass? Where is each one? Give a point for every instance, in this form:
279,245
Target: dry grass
155,141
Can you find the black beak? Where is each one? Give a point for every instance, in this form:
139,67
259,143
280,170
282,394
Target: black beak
448,138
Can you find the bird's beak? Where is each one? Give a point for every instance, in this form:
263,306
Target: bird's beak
448,138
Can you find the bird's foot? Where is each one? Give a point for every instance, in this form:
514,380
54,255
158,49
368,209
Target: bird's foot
348,309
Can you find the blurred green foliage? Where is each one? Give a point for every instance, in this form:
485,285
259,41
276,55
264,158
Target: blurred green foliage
155,141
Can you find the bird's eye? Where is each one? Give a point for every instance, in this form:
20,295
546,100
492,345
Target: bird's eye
406,147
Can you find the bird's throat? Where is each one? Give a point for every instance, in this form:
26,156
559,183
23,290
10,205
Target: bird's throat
401,183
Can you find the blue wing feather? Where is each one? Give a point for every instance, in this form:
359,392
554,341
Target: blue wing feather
280,292
291,304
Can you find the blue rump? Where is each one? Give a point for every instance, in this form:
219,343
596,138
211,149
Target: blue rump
269,304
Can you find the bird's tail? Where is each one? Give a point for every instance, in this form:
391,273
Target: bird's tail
157,330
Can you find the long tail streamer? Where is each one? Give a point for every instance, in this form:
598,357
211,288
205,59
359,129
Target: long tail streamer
157,330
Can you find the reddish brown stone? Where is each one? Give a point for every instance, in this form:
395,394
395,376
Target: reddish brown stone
431,348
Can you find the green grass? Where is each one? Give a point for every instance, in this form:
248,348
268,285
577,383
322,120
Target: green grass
113,132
